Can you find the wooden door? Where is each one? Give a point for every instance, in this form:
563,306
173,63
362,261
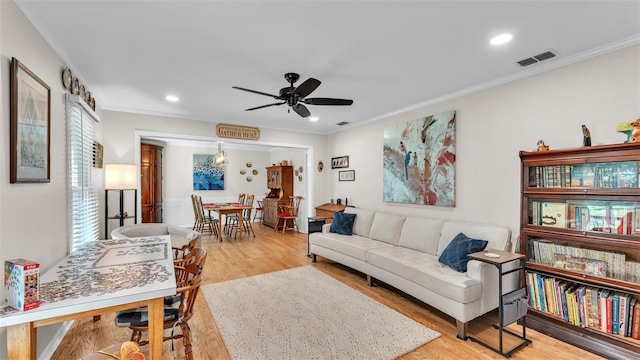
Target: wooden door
151,183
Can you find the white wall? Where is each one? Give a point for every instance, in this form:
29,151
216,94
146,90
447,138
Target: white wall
178,179
122,130
33,221
492,126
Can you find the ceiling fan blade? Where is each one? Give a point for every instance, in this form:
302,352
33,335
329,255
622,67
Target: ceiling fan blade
301,110
255,91
307,87
264,106
327,101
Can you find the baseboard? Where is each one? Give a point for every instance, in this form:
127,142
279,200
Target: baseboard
47,352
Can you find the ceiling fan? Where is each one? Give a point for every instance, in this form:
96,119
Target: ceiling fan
295,96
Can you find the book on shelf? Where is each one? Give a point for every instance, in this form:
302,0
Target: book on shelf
582,175
630,316
625,300
615,313
554,214
581,265
635,332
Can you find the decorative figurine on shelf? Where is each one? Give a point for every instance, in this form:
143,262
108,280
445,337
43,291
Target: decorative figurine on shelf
586,136
542,146
625,128
635,134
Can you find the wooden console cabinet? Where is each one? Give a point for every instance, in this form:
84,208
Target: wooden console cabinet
280,182
326,210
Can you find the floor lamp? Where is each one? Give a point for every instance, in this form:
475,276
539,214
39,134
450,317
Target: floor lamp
120,177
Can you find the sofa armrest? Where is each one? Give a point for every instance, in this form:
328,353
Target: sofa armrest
325,228
487,274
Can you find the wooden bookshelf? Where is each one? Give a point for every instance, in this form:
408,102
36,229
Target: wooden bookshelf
580,233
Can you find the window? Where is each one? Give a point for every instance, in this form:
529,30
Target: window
83,193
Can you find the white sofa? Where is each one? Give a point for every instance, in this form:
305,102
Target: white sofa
403,252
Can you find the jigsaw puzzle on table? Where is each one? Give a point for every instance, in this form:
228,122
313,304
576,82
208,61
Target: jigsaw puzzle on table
108,266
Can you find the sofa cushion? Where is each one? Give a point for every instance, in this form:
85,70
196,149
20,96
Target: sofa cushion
497,236
355,246
362,224
455,255
424,270
421,234
386,227
342,223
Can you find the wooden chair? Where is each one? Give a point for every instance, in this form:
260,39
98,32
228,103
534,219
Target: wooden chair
246,218
231,217
180,253
260,211
178,308
196,222
289,214
206,223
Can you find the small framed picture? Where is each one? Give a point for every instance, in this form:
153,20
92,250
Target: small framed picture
347,175
340,162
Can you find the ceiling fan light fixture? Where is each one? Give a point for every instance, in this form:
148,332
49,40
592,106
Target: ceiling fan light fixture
313,118
501,39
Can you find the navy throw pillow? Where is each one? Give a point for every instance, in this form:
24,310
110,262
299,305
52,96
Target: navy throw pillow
455,255
342,223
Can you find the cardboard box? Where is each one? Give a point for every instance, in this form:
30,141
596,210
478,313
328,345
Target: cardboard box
22,284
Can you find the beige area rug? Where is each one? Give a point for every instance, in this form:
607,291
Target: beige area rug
302,313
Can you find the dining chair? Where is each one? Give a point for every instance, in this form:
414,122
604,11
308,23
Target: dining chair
196,223
207,223
180,253
229,218
246,218
259,211
289,214
179,308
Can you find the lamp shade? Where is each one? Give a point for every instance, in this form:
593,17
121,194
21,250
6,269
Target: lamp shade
120,176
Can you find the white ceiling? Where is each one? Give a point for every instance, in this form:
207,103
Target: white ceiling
388,56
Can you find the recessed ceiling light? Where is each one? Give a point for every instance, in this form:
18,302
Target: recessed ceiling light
313,118
172,98
501,39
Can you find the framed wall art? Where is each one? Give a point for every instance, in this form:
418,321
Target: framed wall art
340,162
347,175
30,121
206,175
419,159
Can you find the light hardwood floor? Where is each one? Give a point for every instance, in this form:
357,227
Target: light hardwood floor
271,251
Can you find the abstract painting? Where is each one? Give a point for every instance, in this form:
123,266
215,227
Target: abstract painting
206,175
419,161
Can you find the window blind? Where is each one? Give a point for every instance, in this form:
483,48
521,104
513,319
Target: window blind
83,193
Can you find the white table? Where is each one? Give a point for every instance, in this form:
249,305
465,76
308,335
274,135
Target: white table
101,277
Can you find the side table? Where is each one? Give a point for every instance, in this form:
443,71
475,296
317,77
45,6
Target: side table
314,224
512,306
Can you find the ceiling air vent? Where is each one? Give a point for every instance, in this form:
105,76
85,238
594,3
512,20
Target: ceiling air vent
527,62
534,59
544,56
342,123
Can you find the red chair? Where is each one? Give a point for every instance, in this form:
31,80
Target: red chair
288,214
259,209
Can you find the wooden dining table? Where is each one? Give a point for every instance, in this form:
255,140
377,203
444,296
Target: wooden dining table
99,277
226,209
